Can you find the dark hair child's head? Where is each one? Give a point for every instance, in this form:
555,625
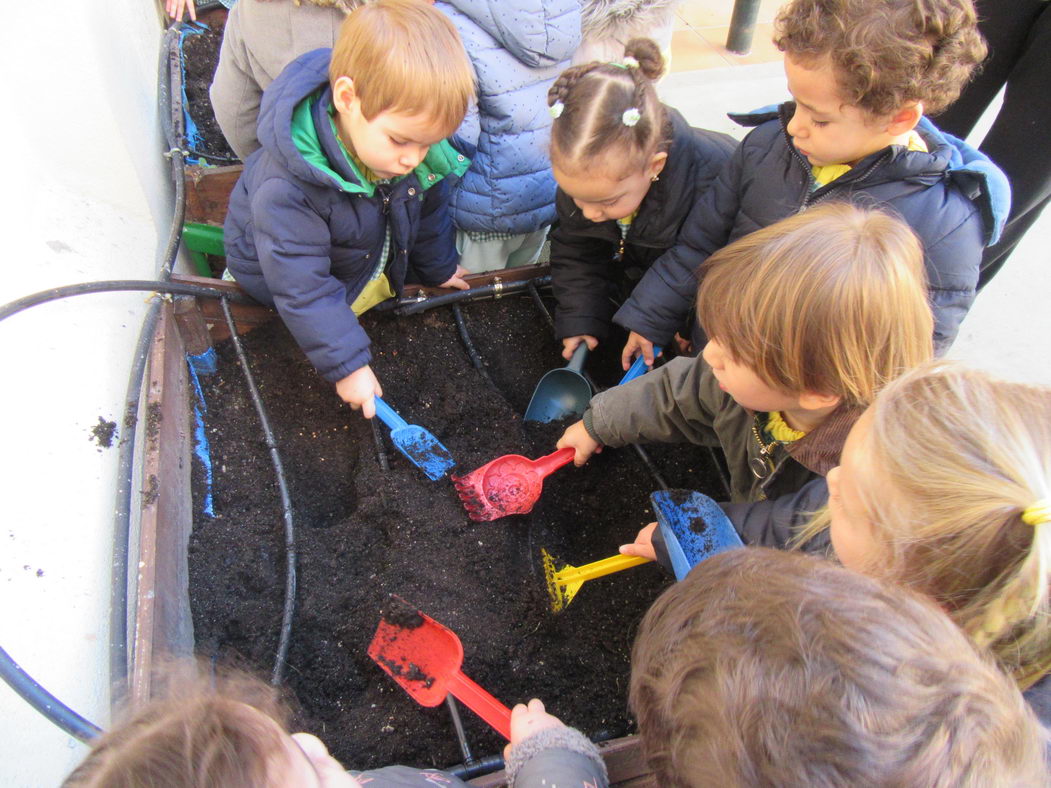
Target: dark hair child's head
607,115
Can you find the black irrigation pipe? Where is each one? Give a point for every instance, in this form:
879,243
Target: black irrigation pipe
412,306
381,449
44,702
643,454
286,505
468,343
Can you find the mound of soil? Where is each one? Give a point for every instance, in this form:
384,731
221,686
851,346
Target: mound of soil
364,533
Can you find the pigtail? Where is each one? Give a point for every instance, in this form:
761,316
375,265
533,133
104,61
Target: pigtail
562,87
1005,628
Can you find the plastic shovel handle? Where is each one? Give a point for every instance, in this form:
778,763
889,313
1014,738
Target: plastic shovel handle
576,362
606,566
550,463
481,703
639,367
389,417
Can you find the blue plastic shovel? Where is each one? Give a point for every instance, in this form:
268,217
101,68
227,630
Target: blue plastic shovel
693,527
420,446
561,392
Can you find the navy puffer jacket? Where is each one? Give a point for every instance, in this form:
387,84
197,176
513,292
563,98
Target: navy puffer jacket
304,229
517,48
954,198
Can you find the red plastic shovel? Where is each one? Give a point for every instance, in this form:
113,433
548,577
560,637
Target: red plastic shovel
424,658
507,485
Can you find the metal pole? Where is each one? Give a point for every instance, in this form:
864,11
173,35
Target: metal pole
742,26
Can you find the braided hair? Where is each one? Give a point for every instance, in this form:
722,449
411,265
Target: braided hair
604,107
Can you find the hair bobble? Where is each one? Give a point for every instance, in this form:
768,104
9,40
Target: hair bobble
631,116
556,109
630,62
1039,512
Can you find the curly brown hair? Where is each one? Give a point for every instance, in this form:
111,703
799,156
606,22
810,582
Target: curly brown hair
886,53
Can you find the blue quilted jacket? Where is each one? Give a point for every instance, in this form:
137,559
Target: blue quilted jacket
304,230
517,48
954,198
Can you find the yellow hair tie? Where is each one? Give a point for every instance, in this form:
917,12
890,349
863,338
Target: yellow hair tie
1039,512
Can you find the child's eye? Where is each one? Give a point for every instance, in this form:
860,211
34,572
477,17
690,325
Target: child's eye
821,122
396,142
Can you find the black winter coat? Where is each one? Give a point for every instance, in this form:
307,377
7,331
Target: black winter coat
953,197
585,269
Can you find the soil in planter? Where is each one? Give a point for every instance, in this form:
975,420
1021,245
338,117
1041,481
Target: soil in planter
200,58
363,533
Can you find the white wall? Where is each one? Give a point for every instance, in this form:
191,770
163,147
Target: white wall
87,197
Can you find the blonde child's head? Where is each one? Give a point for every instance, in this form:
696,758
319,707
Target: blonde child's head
610,134
832,301
772,668
945,486
401,81
863,73
202,732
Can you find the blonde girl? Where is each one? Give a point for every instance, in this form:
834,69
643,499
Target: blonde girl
629,169
945,486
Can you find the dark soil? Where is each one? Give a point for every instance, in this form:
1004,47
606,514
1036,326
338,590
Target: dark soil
363,534
200,58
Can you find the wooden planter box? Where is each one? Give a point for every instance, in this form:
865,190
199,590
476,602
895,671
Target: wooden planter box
162,623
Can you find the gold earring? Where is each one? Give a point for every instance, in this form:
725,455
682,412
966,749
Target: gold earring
655,178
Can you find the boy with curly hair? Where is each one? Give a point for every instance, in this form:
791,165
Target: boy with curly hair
864,75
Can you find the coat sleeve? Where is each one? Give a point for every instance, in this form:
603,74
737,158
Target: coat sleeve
433,255
580,278
671,404
664,296
293,243
773,523
407,777
952,264
235,93
561,756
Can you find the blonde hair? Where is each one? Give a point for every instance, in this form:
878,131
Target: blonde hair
831,301
771,668
405,56
956,456
200,732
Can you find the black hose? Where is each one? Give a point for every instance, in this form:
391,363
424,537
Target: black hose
486,765
468,343
286,505
44,702
534,293
461,737
381,449
412,306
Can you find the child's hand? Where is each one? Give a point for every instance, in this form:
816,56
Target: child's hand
578,438
328,770
685,346
456,280
569,344
527,720
643,544
636,343
358,389
175,9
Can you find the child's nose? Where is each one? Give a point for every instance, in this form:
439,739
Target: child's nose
593,214
795,128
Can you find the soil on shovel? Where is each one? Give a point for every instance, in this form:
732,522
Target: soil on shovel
364,533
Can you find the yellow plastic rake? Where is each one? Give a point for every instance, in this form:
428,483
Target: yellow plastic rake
563,584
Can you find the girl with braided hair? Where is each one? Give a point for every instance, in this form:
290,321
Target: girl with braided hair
629,169
945,486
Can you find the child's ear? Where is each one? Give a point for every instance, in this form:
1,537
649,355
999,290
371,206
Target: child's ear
811,400
657,165
343,94
905,119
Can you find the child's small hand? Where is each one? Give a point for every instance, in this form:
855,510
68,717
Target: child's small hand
527,720
636,343
685,346
578,438
569,344
643,544
358,389
456,280
176,8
